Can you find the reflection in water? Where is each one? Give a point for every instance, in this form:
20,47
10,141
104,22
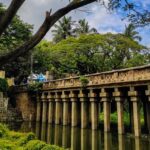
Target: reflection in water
43,132
66,136
75,138
37,130
83,139
95,139
137,144
121,142
50,134
107,141
58,135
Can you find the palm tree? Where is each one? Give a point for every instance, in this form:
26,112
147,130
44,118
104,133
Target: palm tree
131,33
63,29
84,28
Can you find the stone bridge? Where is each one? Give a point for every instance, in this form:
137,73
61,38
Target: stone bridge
67,102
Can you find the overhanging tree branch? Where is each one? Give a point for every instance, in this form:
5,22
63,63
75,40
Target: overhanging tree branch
9,14
49,21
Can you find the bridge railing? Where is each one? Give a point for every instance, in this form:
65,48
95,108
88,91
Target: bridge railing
135,74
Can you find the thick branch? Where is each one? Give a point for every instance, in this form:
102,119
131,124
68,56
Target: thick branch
50,20
9,14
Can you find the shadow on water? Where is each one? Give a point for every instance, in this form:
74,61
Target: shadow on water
82,139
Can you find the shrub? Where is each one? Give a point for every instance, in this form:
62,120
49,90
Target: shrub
84,81
25,139
7,145
11,140
3,131
52,147
16,135
35,145
3,85
34,87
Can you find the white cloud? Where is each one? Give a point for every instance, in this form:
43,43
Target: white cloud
33,12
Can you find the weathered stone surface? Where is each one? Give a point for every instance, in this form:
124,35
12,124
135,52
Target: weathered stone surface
26,105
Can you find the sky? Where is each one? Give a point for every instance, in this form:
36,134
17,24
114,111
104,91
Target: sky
33,12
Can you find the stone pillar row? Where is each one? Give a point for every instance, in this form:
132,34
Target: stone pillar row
72,107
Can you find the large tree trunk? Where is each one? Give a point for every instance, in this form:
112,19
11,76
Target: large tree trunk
7,17
49,21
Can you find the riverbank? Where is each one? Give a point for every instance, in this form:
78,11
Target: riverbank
12,140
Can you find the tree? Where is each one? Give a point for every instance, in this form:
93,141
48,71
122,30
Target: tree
49,21
7,16
63,29
90,54
84,28
131,33
16,33
138,16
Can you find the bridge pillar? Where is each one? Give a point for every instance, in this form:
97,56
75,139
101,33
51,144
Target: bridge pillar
119,100
106,107
51,109
84,109
134,97
94,110
66,112
38,109
148,109
74,109
58,109
44,110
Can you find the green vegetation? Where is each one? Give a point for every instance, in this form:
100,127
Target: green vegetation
3,85
10,140
34,87
90,53
126,118
16,34
84,81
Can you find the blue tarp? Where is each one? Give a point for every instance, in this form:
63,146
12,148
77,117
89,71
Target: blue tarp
41,78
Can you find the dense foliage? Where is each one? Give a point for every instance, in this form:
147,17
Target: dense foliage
17,33
67,27
10,140
3,85
90,54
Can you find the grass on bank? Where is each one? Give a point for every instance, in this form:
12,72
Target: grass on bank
11,140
